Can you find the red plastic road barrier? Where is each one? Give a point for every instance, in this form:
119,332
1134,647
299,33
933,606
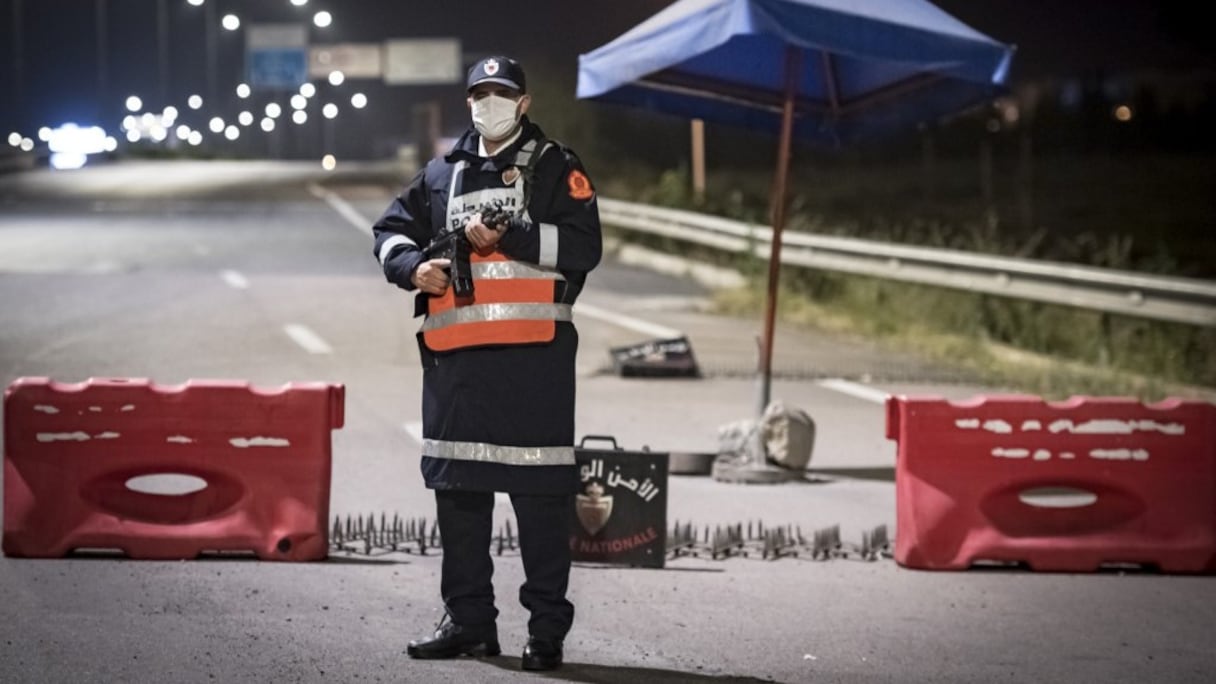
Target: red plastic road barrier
76,455
980,481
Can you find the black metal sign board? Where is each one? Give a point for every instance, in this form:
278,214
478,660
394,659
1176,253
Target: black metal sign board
620,513
670,358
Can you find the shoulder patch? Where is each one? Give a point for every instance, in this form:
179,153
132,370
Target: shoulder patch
580,185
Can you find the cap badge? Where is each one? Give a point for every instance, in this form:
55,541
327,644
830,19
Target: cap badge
491,67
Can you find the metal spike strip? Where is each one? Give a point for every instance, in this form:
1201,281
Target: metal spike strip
826,543
779,543
682,541
363,535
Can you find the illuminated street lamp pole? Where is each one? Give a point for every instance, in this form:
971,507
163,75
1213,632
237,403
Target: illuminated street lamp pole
209,23
162,48
101,24
17,54
328,140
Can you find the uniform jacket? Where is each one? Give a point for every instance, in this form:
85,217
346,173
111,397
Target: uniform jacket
500,417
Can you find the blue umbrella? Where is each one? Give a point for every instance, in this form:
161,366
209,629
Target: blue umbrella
829,71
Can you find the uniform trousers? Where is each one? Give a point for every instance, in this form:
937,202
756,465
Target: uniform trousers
465,522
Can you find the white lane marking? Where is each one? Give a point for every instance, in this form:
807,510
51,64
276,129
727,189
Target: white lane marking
854,389
628,322
235,280
309,340
414,429
344,209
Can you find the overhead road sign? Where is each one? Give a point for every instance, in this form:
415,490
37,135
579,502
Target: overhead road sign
354,60
276,56
422,61
277,69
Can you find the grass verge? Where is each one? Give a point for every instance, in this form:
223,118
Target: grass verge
1050,351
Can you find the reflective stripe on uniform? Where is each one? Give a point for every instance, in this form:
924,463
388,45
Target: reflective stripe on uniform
394,241
481,313
456,171
505,270
548,245
494,453
524,156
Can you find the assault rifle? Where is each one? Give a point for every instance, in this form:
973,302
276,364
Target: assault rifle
454,245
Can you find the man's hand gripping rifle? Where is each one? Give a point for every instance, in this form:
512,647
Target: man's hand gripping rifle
454,246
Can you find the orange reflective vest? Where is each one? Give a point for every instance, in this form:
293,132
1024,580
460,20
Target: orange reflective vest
512,300
512,303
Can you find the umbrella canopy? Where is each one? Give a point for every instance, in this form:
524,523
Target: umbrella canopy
822,70
866,67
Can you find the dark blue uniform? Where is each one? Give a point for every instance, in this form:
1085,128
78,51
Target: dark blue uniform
501,418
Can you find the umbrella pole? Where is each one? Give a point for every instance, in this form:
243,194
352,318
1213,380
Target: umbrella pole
792,68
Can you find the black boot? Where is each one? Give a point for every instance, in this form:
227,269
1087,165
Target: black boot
451,640
542,654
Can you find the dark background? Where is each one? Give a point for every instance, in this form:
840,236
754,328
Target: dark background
1065,181
58,66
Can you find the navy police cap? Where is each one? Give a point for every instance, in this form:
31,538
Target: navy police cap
498,69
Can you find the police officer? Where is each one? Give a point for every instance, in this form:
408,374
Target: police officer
498,365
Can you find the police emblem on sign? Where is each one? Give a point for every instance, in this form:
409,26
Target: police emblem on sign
491,67
621,516
593,508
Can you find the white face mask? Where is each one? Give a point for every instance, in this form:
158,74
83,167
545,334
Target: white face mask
495,117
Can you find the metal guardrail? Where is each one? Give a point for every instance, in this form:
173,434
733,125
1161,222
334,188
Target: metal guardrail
1181,300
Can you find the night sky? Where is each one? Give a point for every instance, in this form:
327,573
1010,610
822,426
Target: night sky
53,69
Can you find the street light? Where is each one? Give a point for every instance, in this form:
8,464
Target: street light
209,48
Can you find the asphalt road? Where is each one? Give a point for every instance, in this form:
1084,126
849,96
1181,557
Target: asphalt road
177,271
